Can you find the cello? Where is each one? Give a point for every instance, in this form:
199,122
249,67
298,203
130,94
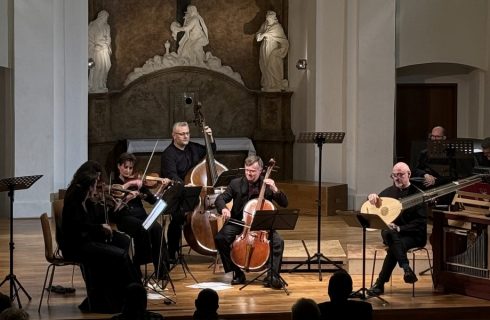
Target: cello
250,250
202,224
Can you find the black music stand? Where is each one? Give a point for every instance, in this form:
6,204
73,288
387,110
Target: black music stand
283,219
187,198
452,158
226,176
11,184
158,284
319,138
364,221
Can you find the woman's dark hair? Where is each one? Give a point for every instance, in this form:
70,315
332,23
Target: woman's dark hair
83,179
126,156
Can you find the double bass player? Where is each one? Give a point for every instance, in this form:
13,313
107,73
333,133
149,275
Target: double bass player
177,160
241,190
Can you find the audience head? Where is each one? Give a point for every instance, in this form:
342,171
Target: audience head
305,308
207,303
135,301
339,286
5,302
13,313
437,133
485,147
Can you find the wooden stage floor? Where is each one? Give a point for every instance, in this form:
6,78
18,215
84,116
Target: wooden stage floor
253,302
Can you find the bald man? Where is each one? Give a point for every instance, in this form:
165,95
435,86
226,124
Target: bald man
424,169
408,230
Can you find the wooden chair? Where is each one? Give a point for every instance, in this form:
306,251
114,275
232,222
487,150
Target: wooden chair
412,252
53,258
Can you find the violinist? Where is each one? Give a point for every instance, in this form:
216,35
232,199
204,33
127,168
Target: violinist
177,159
86,237
147,244
241,190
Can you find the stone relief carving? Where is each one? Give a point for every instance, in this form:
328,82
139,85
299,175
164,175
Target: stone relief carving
190,52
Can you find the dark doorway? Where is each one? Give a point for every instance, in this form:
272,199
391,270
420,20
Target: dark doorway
419,107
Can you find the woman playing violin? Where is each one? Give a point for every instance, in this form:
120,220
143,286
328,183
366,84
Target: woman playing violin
241,190
86,237
147,244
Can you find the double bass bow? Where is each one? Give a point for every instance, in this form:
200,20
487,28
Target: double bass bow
202,224
250,250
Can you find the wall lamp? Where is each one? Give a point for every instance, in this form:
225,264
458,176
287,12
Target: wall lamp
301,64
91,63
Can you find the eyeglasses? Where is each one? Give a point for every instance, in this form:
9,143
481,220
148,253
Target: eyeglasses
436,137
183,133
398,175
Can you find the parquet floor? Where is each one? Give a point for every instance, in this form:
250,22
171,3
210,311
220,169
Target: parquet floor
253,302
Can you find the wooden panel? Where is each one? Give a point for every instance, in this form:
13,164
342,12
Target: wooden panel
304,196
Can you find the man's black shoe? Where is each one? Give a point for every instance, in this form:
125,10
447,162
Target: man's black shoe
377,289
409,276
238,278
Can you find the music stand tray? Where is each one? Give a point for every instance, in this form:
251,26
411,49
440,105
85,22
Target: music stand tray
363,220
282,219
226,176
11,184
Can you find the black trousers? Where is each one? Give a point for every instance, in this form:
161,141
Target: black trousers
225,237
108,270
148,244
398,245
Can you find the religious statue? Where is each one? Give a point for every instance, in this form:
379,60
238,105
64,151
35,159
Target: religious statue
99,49
273,49
195,37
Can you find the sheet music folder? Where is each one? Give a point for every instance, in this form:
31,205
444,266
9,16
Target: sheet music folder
282,219
226,176
363,220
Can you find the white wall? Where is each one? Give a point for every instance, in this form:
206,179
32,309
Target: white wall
50,81
453,31
4,33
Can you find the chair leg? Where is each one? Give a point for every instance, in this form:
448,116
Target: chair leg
44,288
51,282
413,269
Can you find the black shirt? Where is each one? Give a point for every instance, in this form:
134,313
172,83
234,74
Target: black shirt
176,162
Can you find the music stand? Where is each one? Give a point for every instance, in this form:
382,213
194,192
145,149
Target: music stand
455,157
283,219
364,221
226,176
187,198
11,184
319,138
157,210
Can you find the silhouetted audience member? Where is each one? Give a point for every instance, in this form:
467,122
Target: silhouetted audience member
305,308
13,313
339,307
207,304
135,304
5,302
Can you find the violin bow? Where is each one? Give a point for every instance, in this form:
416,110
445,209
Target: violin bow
149,160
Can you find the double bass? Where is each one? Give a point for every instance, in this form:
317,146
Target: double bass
202,224
250,250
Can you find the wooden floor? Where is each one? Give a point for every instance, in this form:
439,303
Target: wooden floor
253,302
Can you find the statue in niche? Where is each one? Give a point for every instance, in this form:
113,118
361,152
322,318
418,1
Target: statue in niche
195,37
99,49
190,51
273,49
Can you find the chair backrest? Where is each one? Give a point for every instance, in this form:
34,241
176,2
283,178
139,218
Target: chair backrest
57,215
48,238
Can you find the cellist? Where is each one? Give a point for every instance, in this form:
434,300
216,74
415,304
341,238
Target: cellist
177,159
241,190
